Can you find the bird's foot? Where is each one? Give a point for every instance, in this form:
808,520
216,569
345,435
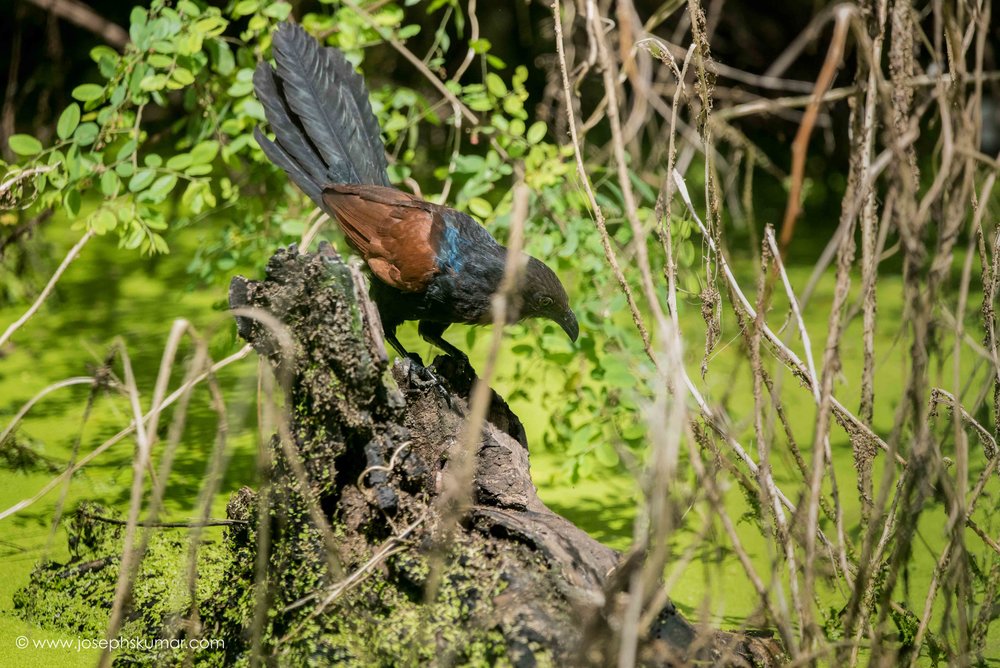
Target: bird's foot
421,377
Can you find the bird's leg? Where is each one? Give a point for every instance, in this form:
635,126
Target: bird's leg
390,336
426,376
431,333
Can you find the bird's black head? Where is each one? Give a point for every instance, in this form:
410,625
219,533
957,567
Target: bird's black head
543,296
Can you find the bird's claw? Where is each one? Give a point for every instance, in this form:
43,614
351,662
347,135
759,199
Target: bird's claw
422,377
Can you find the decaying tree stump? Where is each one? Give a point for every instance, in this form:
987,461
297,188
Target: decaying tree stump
516,582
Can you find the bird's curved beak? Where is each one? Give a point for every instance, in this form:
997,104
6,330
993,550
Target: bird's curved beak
569,325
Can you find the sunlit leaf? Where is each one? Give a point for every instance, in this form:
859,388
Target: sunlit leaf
103,221
87,92
480,207
110,183
86,134
68,120
204,152
536,132
24,144
141,180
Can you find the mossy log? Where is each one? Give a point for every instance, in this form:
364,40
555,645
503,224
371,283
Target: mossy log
525,585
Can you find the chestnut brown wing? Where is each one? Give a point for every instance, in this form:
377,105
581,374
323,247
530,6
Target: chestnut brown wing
397,234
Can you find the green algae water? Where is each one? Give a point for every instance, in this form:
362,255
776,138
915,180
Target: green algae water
102,299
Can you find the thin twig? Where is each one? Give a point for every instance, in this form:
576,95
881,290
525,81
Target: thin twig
47,290
76,380
166,525
800,145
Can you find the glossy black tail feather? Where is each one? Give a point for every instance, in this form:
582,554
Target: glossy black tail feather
318,108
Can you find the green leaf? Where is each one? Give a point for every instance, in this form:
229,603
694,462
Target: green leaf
73,162
278,10
244,7
183,76
208,196
141,180
514,106
179,162
198,170
133,240
163,186
103,51
606,454
110,183
480,46
480,207
222,56
188,8
204,152
210,27
86,134
496,85
137,29
103,221
164,46
68,120
87,92
409,31
190,44
138,16
536,132
72,202
240,88
159,60
118,94
153,82
126,151
159,245
24,144
480,104
254,109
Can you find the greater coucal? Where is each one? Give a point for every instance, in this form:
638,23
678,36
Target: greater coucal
428,262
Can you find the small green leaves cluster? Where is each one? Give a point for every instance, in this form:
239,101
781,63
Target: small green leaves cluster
113,166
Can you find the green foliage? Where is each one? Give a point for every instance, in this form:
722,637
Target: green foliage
107,151
161,144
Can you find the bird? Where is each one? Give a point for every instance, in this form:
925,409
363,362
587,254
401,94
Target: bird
426,262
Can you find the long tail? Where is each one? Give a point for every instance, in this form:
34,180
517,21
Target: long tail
318,108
